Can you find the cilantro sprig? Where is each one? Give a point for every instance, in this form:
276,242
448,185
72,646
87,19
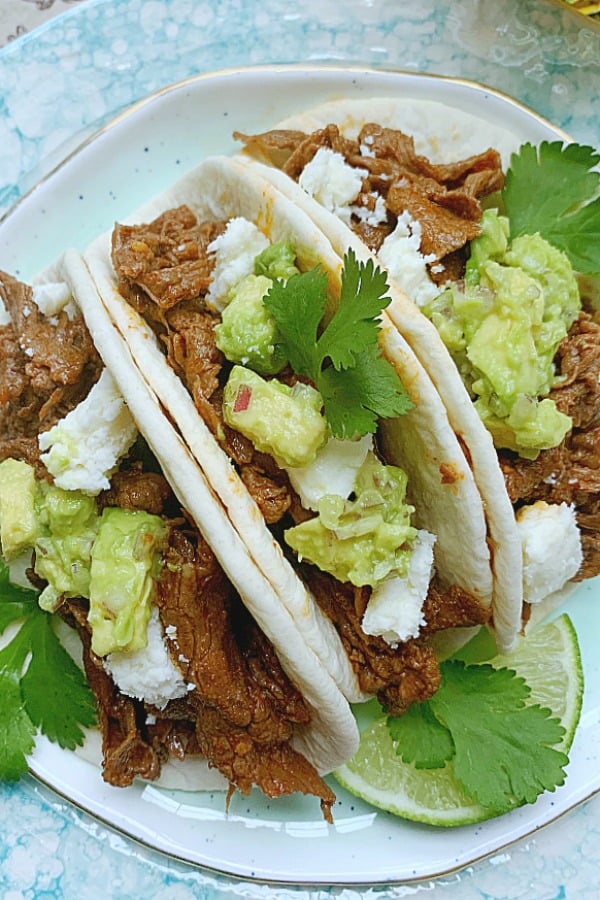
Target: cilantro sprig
553,190
500,748
343,360
41,688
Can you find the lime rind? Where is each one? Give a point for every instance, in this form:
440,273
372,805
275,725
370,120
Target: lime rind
550,662
546,671
432,797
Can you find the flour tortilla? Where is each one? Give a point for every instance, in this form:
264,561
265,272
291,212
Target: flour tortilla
422,442
332,735
444,134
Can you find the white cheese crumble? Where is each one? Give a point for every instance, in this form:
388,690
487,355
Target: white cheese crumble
376,216
401,256
395,608
53,297
332,182
83,449
235,250
333,471
551,543
148,674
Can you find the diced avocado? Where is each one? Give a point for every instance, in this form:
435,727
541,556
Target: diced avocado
248,333
503,329
277,261
18,523
125,563
360,540
551,268
68,522
284,421
539,425
491,243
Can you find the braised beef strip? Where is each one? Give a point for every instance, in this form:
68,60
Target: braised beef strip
47,366
242,711
443,197
245,707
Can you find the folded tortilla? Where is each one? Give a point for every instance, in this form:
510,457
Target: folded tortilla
423,442
331,735
443,134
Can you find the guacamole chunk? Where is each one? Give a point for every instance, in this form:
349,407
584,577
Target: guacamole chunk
364,539
503,328
285,422
125,563
248,333
277,261
18,522
68,523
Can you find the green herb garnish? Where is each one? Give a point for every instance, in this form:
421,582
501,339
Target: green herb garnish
344,361
552,190
40,685
501,750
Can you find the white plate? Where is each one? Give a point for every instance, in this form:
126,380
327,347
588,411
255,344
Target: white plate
286,840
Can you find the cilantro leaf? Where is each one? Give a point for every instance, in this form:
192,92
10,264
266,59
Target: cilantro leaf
421,738
578,235
544,192
353,328
40,685
17,732
15,602
298,306
54,689
357,383
503,748
355,398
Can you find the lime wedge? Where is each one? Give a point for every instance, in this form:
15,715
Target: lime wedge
549,661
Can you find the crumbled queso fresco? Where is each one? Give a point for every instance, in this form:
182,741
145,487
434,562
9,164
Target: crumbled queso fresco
335,185
332,182
401,256
52,297
551,543
83,449
148,674
395,608
333,471
235,251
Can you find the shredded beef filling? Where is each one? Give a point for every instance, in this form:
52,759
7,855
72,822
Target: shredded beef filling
47,366
569,473
165,261
187,332
402,675
245,707
443,198
399,676
126,745
243,711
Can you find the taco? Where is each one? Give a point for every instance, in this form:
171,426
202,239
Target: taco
373,534
497,322
189,653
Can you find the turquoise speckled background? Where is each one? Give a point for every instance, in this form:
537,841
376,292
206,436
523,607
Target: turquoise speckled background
58,84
